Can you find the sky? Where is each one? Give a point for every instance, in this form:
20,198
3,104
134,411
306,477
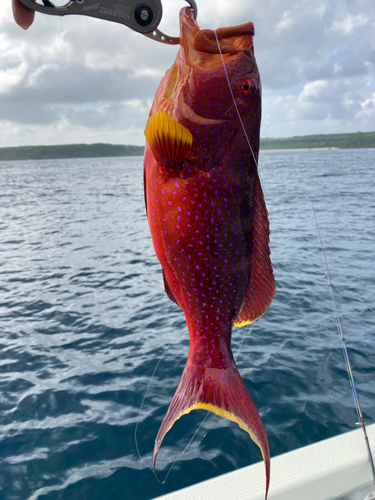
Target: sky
74,79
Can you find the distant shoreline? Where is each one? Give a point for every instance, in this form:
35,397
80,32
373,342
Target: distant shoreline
358,140
297,149
69,151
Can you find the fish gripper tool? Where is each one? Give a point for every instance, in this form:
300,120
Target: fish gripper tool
143,17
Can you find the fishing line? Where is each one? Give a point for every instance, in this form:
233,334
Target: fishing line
244,131
243,338
333,299
345,351
140,411
137,424
234,100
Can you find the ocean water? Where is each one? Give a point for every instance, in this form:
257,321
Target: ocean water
84,321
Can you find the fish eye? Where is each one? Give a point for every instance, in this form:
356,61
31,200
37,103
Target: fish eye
246,86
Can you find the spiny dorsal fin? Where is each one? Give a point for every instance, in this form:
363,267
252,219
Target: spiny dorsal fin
168,139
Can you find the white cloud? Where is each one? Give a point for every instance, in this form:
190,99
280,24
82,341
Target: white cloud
11,77
285,23
36,75
148,72
64,133
77,79
367,108
349,24
313,90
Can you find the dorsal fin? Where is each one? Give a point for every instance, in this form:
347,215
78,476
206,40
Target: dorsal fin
261,288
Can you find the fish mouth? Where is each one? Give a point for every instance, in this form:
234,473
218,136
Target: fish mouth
205,48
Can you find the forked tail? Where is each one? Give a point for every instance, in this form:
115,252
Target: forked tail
222,391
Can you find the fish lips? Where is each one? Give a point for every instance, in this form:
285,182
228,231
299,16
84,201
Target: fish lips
203,48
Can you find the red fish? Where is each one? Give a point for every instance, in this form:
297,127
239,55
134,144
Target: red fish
207,214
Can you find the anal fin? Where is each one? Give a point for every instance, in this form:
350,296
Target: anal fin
168,290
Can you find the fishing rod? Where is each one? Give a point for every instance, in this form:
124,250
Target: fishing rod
345,351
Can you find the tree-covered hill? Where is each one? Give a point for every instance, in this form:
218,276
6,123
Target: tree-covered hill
342,141
69,151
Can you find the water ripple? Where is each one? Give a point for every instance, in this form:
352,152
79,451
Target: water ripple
84,321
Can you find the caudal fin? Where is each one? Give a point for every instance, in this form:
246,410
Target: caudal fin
221,391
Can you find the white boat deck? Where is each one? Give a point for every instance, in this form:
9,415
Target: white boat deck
323,471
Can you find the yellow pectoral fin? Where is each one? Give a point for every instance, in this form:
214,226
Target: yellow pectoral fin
168,139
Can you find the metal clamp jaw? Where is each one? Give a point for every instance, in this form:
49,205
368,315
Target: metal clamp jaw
143,17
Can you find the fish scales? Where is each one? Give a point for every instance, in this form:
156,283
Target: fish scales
207,216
